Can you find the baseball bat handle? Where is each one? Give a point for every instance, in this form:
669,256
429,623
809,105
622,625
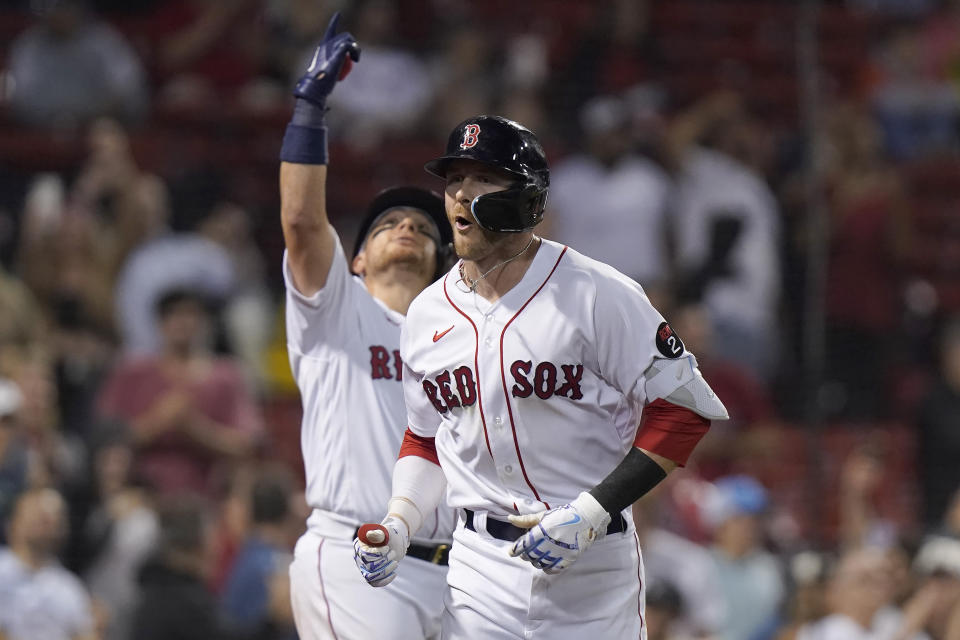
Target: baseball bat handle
373,535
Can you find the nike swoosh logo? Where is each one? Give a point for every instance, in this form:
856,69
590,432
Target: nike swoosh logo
439,334
313,62
574,519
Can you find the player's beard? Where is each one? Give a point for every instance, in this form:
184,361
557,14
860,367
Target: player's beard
480,244
473,243
471,248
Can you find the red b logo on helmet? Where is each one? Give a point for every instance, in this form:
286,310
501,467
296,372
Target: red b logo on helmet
470,133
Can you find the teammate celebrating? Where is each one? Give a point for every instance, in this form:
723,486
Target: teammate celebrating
343,335
548,395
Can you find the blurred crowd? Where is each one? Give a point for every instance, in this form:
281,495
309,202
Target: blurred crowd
147,416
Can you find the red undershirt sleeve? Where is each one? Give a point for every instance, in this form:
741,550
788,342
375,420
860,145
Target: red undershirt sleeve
670,431
420,446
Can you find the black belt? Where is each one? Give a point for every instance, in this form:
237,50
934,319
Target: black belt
437,554
505,531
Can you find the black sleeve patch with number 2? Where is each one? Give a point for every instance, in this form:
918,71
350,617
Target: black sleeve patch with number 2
668,342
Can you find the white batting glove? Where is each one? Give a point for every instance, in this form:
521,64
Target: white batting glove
381,550
557,537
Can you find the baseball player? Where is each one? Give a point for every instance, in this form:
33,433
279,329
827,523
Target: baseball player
546,395
343,333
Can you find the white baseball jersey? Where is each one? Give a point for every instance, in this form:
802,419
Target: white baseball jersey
344,348
345,354
49,603
537,396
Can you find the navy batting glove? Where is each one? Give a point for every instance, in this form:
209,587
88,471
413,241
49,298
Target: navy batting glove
305,140
331,62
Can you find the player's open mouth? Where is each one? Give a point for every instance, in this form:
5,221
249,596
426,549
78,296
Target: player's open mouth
463,223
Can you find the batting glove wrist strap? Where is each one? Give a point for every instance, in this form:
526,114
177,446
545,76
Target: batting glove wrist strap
406,513
591,510
304,144
307,114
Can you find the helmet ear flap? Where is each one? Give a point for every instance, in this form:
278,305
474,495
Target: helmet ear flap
514,210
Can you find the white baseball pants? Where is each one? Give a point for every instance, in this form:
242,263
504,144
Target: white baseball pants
331,601
495,597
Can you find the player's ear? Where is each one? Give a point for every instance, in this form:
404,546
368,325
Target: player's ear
359,263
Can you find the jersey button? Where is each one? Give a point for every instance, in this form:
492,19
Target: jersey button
488,342
508,469
498,421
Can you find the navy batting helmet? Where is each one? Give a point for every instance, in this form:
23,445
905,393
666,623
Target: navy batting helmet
510,147
428,202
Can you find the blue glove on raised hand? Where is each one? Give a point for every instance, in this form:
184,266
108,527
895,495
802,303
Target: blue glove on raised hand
556,538
305,141
331,63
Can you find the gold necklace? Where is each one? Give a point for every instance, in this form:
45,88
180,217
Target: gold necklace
472,284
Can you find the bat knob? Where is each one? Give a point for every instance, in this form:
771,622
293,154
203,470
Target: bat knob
373,535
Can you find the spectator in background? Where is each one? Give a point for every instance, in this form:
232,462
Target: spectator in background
807,599
16,459
610,203
189,412
40,598
935,606
951,518
389,92
860,601
169,261
868,245
860,480
248,313
646,105
115,529
257,594
751,579
939,436
55,458
73,244
175,601
71,68
22,322
131,205
82,351
664,606
230,523
912,91
727,227
64,256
